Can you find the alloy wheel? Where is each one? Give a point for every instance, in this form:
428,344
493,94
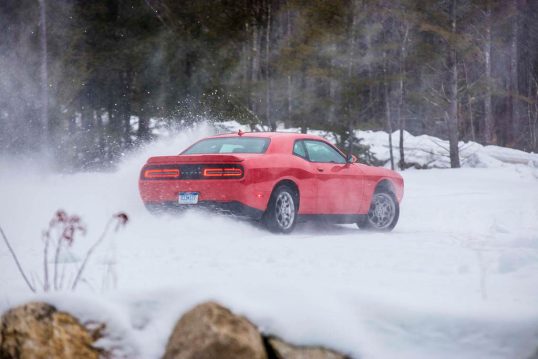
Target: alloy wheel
382,211
284,210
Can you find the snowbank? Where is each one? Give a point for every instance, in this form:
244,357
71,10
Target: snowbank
432,152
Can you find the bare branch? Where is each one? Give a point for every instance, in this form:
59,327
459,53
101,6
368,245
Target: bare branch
431,101
21,271
121,220
56,260
35,278
440,145
46,284
90,252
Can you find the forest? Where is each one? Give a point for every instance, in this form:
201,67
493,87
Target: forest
86,81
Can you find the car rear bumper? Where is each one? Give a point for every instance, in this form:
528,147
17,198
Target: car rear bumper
234,208
209,191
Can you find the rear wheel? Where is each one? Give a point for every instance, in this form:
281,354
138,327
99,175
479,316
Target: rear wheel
383,214
281,213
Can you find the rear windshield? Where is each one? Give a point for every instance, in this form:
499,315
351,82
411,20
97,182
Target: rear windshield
229,145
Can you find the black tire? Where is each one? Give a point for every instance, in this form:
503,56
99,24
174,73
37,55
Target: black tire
155,209
384,219
281,213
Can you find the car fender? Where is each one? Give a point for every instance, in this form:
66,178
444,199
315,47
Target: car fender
374,176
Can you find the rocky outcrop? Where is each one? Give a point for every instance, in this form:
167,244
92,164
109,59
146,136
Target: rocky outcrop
212,331
282,350
40,331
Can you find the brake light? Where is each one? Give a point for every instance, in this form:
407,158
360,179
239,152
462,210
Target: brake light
162,173
223,172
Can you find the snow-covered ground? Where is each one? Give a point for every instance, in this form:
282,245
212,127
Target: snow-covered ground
457,278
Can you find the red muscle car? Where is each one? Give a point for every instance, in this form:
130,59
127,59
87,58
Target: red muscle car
277,178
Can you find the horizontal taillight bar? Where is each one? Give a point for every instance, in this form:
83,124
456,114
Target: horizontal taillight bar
157,173
192,172
223,172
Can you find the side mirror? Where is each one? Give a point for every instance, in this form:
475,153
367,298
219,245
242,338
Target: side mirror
352,159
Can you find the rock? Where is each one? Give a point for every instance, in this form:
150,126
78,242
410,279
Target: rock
212,331
282,350
40,331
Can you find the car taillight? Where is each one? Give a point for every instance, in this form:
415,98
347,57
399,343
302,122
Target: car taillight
157,173
223,172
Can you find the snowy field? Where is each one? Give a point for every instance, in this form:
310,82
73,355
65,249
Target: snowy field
457,278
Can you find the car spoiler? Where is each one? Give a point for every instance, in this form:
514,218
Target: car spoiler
213,158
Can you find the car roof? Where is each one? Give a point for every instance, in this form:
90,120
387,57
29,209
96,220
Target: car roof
293,135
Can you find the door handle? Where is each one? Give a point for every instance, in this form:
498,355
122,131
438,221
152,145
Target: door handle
320,169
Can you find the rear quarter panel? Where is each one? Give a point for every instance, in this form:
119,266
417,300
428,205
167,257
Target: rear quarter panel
266,171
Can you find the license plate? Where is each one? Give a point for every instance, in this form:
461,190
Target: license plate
188,197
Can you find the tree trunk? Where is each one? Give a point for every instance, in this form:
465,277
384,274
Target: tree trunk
350,60
247,68
332,89
289,95
401,120
44,74
529,116
125,108
270,123
469,104
533,115
453,135
488,113
304,85
143,128
100,133
255,64
387,108
289,83
514,83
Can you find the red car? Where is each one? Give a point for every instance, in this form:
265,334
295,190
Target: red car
274,177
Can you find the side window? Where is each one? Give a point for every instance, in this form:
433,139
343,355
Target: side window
321,152
299,150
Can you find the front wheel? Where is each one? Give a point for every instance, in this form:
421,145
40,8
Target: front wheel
281,214
383,214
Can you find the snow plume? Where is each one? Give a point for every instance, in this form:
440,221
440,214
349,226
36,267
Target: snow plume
170,142
19,95
35,191
29,75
